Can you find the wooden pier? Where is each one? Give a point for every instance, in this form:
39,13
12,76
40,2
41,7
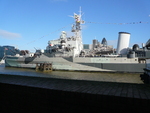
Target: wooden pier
46,67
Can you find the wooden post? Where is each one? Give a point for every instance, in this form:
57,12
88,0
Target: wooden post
45,67
37,67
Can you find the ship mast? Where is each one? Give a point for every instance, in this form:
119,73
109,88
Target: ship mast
76,28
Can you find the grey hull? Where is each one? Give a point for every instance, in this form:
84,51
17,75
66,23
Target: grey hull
73,64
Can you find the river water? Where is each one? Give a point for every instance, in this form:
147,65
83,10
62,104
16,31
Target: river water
90,76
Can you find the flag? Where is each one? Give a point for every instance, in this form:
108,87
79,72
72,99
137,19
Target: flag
6,48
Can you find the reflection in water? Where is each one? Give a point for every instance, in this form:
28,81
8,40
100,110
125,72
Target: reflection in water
92,76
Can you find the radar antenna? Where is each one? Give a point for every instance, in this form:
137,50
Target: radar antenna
78,21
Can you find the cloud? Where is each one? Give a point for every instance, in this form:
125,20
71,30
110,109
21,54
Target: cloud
9,35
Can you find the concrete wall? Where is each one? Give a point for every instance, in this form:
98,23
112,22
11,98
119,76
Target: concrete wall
15,98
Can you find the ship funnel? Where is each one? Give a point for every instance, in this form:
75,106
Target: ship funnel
123,43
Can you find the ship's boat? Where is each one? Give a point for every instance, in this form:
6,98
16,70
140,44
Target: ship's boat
68,53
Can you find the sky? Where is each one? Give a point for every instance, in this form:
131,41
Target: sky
30,24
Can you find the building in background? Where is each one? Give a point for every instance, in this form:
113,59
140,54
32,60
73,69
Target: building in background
8,50
99,48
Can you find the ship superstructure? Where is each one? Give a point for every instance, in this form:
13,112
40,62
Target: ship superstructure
68,46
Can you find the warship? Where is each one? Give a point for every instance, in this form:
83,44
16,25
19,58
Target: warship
69,53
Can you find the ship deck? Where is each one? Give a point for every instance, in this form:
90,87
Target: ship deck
26,94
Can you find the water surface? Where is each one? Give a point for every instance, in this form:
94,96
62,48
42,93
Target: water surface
92,76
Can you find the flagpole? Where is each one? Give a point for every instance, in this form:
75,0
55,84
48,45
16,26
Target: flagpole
4,52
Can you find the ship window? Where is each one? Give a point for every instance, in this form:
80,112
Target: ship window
124,59
135,59
114,59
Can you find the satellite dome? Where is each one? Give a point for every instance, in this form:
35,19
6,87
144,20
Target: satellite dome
135,47
104,42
